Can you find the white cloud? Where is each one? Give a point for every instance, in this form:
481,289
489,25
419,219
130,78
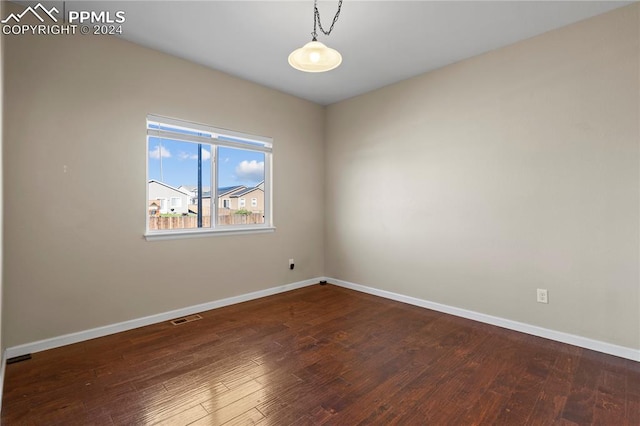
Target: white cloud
205,155
155,152
250,170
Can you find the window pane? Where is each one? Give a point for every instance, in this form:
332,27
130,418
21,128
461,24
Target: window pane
173,184
240,177
180,164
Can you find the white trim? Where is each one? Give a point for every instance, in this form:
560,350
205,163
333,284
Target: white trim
583,342
559,336
81,336
215,139
3,367
172,136
205,128
268,189
207,232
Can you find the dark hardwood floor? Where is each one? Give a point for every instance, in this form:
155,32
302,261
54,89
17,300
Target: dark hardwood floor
322,355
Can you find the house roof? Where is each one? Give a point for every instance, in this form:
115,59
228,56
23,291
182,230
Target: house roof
244,192
194,188
226,190
229,189
169,186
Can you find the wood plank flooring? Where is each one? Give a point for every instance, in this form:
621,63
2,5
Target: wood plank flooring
322,355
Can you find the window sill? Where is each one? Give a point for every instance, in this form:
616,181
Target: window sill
176,235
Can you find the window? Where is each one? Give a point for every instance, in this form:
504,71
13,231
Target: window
185,158
176,202
163,205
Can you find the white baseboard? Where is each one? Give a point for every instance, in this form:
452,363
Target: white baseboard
67,339
80,336
583,342
2,370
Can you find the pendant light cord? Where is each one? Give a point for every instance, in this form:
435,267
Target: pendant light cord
317,23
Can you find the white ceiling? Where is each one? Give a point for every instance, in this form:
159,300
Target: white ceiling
381,42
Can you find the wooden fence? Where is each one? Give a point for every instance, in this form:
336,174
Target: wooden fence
186,222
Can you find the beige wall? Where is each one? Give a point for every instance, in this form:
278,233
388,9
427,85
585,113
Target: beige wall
510,171
73,265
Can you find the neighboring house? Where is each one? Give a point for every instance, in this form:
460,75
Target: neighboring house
251,199
232,198
225,202
154,207
192,190
172,200
188,189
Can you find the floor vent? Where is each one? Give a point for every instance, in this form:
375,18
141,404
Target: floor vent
19,359
186,319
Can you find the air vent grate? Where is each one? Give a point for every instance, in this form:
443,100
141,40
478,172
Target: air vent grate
186,319
19,359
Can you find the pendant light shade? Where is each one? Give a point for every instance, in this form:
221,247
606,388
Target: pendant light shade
315,57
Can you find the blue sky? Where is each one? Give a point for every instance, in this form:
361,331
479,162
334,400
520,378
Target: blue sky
180,164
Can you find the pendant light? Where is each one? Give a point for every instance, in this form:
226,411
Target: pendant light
316,56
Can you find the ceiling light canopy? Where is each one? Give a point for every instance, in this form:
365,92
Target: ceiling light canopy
315,56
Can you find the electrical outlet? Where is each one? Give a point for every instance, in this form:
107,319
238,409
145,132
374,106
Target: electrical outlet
543,296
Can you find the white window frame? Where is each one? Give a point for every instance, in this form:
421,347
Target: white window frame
254,202
217,137
242,203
